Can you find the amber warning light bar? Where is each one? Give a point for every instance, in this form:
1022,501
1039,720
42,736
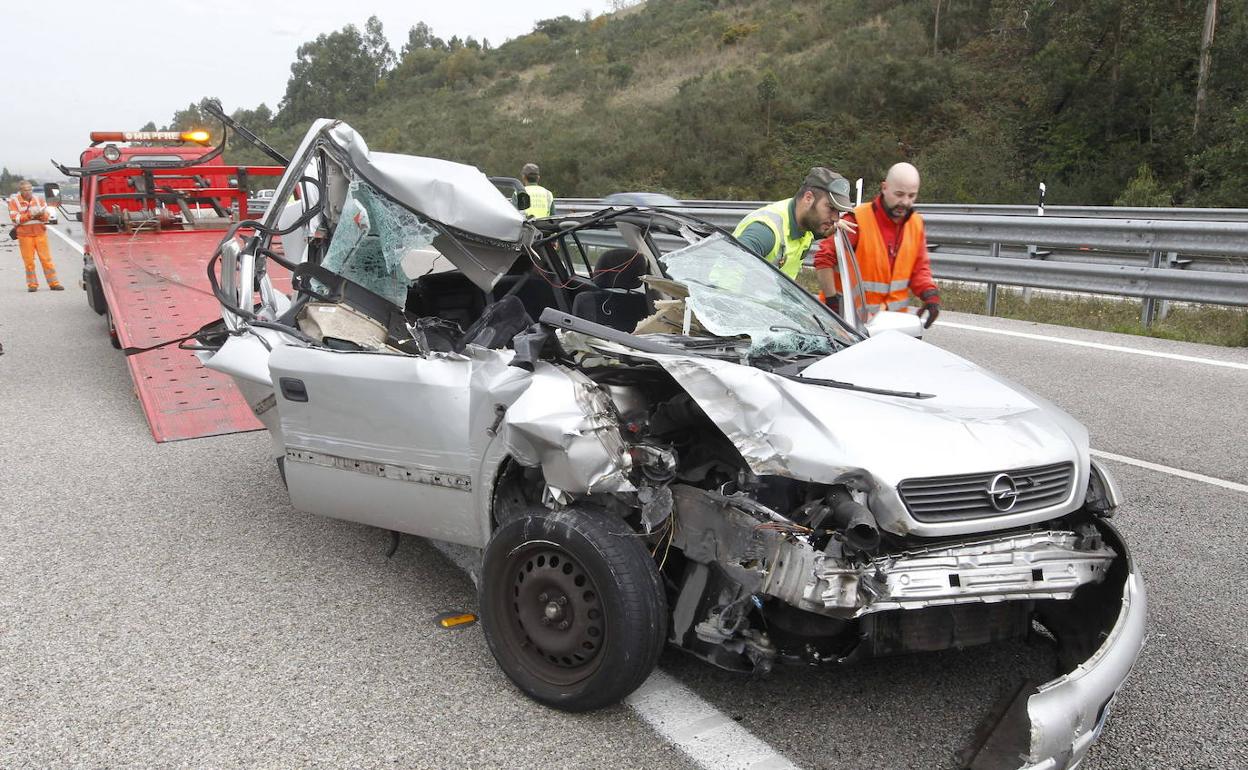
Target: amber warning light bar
150,136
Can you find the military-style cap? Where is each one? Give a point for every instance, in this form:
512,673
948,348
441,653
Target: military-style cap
837,186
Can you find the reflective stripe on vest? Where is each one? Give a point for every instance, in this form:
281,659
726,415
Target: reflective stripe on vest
786,253
885,287
541,200
19,207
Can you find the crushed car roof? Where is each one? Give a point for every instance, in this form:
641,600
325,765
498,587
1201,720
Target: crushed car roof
454,194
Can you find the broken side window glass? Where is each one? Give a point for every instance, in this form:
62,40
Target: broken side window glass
373,236
734,293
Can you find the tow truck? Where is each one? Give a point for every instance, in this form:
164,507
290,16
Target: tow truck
154,206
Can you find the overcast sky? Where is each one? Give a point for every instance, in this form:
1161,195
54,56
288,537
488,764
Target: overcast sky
103,66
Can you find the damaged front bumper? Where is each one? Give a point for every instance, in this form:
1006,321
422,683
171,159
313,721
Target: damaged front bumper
1078,583
1026,566
1065,716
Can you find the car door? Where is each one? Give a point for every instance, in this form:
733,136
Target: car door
377,438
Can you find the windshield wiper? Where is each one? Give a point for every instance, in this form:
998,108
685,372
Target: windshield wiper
828,333
851,386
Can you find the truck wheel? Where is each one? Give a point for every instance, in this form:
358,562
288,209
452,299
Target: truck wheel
112,330
91,283
572,607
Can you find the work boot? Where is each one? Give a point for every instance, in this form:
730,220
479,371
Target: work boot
32,288
57,287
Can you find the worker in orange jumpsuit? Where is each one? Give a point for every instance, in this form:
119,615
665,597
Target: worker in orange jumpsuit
30,213
891,247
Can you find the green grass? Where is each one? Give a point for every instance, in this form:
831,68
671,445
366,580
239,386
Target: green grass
1212,325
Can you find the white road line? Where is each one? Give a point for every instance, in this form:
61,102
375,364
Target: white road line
1097,345
706,735
72,243
1232,485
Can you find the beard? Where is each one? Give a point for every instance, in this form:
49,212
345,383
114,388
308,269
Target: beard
813,222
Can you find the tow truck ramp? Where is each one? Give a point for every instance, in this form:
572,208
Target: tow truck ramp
157,290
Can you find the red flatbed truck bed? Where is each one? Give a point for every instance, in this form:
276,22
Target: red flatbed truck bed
150,234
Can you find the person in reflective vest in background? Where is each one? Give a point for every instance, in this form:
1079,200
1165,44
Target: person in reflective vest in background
541,200
30,213
891,247
781,232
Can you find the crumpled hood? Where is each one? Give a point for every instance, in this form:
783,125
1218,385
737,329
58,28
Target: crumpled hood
974,421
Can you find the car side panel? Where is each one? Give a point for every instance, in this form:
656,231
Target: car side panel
380,439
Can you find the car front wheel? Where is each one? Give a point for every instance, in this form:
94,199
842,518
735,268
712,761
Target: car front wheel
572,607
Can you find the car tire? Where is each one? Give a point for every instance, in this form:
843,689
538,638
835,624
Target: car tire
573,607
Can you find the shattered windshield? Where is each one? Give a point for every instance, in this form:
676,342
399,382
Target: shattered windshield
373,236
733,293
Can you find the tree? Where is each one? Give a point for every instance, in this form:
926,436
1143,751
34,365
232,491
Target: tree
419,38
331,75
1144,190
378,47
257,119
1206,43
194,116
8,182
460,67
768,89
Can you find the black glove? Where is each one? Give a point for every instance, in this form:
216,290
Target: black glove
931,307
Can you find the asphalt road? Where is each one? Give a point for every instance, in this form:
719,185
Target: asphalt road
162,605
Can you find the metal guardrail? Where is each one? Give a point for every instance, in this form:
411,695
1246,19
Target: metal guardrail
990,209
1153,256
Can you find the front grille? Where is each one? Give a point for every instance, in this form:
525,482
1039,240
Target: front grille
960,498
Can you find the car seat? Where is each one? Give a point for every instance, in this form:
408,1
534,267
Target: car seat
619,299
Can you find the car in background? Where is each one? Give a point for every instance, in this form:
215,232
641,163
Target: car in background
640,199
512,189
260,202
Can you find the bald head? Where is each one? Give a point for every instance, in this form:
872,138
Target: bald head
899,190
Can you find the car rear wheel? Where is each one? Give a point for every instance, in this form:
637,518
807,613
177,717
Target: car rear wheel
572,607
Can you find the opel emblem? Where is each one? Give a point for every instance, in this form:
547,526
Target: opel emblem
1002,492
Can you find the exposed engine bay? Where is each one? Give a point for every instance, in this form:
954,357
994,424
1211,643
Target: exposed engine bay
767,569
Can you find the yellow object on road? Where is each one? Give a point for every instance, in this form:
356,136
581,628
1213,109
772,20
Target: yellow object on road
456,619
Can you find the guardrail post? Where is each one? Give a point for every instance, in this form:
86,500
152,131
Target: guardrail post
1032,250
1148,310
994,251
1031,254
1173,262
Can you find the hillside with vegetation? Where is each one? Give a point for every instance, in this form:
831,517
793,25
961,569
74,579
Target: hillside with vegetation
1136,102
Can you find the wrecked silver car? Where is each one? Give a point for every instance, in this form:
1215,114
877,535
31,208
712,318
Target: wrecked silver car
659,439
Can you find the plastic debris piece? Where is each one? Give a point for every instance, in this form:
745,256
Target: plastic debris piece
456,619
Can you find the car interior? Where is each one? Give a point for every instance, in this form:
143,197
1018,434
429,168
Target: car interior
445,311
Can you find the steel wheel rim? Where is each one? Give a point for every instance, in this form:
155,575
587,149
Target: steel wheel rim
555,620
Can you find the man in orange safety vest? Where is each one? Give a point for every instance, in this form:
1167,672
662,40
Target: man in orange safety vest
891,247
30,213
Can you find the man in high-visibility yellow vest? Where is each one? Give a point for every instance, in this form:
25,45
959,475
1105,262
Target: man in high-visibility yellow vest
782,232
541,200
